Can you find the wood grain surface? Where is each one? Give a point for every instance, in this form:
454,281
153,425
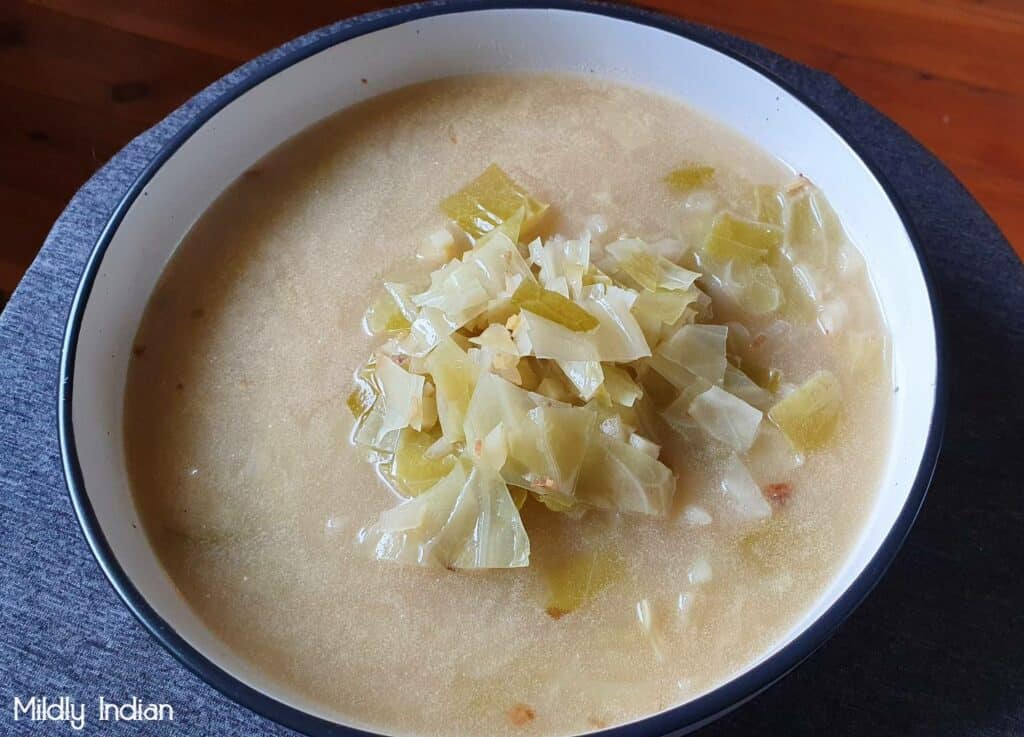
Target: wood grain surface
80,78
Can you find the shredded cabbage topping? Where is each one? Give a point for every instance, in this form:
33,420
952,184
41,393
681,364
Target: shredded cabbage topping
536,366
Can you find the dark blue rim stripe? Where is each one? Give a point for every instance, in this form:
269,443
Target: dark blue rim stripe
679,720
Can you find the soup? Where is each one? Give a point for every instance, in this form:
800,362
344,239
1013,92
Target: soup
270,519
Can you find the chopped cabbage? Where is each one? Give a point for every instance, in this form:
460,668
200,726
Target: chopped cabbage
621,387
742,492
412,471
616,475
650,271
740,385
455,377
546,442
560,259
734,238
810,414
486,276
770,204
402,393
466,520
385,317
473,401
488,201
585,376
554,307
813,232
577,580
618,336
726,418
690,177
772,456
700,349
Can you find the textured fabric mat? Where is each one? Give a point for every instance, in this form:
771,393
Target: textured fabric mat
937,649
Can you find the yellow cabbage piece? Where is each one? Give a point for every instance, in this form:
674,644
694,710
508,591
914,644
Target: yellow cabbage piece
411,469
637,260
489,200
621,387
770,204
578,578
733,238
466,520
690,177
618,476
455,377
402,394
384,317
546,440
698,348
726,418
810,414
554,307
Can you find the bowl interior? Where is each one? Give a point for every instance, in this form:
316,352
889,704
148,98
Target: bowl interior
437,46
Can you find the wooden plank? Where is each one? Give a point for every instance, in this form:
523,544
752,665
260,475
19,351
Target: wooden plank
93,65
80,78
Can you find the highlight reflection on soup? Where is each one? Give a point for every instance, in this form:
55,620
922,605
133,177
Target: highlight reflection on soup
599,461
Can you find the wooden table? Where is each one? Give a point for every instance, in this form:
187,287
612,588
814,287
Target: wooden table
80,78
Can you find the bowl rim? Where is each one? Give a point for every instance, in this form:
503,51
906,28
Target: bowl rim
684,718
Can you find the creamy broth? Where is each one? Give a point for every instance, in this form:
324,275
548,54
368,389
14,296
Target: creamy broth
252,494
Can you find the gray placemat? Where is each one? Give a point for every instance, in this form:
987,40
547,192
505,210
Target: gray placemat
937,649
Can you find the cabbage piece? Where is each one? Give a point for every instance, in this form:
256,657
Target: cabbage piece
676,375
618,336
400,295
497,352
455,377
576,580
365,393
801,295
402,393
561,259
772,456
466,520
384,316
621,387
585,376
485,276
733,238
742,492
546,442
690,177
411,470
650,271
438,247
664,306
554,307
813,231
751,285
698,348
498,339
430,327
543,338
810,414
616,475
644,445
492,450
488,201
739,384
863,355
770,204
726,418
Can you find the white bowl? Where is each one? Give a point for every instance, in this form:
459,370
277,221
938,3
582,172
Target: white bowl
419,43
